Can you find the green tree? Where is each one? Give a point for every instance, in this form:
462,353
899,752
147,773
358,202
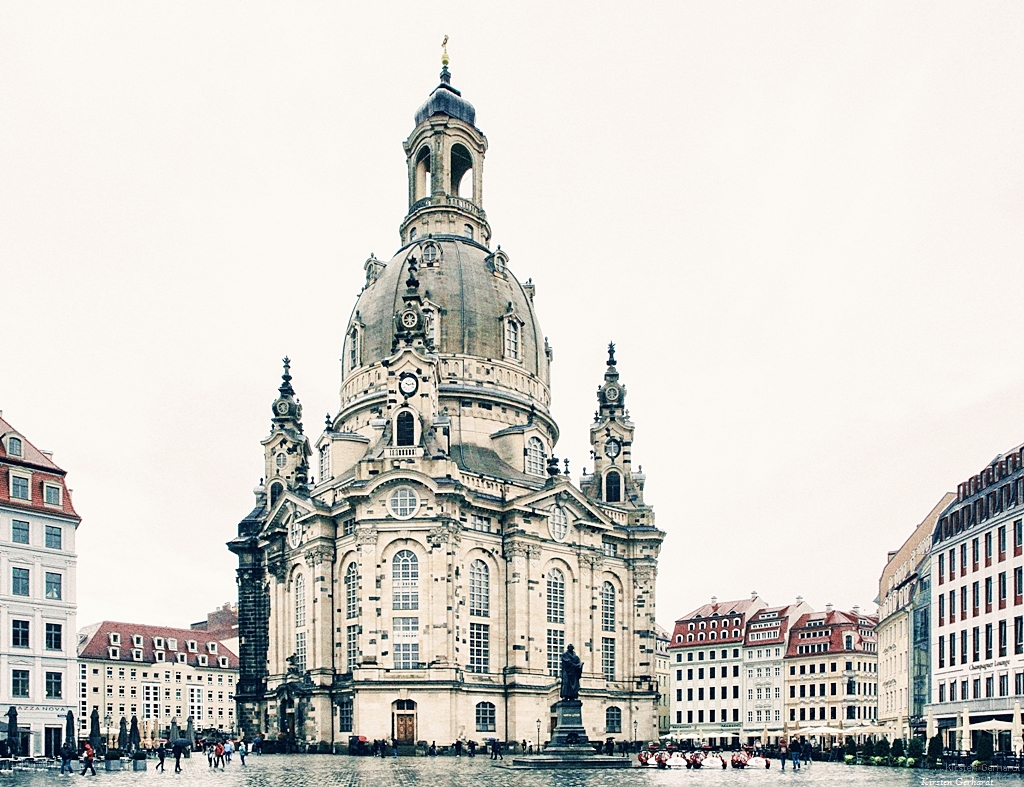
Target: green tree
897,748
985,747
934,749
868,749
882,747
850,745
916,748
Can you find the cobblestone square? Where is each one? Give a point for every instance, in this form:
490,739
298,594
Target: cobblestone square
324,770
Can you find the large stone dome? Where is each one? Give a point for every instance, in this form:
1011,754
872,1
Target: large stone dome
475,295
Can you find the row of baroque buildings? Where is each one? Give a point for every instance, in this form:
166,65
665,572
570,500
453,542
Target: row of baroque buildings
744,671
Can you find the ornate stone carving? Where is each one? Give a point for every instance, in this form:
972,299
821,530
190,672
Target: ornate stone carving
643,574
533,551
512,551
592,559
445,533
279,570
366,536
320,554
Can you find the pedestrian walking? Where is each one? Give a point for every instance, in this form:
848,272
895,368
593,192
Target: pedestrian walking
242,751
218,756
257,745
783,753
472,748
176,751
208,747
807,752
66,754
394,747
794,754
161,754
458,748
496,750
88,755
229,749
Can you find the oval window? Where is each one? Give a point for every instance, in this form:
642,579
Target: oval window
403,503
558,523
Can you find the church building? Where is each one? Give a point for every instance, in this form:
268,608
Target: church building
417,570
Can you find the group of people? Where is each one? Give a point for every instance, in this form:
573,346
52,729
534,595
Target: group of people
796,751
218,754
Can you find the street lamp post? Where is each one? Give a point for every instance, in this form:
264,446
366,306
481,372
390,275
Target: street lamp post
634,733
106,720
538,736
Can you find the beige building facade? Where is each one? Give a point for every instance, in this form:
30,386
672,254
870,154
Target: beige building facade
896,594
424,585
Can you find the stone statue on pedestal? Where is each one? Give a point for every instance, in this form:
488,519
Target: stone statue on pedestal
572,669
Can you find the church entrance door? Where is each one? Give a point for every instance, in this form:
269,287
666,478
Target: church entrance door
405,728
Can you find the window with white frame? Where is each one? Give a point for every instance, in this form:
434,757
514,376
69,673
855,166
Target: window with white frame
403,503
325,463
405,577
535,456
300,600
613,719
479,589
14,446
404,635
512,339
556,596
19,487
54,537
51,494
300,651
608,657
558,523
481,523
479,648
351,646
556,646
607,607
345,715
351,590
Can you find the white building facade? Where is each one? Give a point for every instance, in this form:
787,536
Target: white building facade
38,662
977,599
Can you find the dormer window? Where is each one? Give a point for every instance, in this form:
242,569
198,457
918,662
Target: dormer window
115,638
405,429
158,643
535,456
172,643
113,653
202,661
14,446
431,254
182,658
211,646
51,494
137,640
191,645
20,485
512,339
137,654
223,662
158,655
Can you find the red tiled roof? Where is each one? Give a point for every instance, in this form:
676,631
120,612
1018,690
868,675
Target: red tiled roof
839,624
94,643
716,611
781,614
43,471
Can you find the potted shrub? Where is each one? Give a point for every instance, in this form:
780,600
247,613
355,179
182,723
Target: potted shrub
139,760
915,749
882,751
113,759
934,750
898,750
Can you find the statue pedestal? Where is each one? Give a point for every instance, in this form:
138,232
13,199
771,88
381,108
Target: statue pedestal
569,746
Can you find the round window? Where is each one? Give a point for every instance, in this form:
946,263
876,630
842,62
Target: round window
280,460
558,523
430,253
294,532
403,503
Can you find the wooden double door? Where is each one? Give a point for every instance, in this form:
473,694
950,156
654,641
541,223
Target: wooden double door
405,728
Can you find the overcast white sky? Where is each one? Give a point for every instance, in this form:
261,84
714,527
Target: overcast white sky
801,223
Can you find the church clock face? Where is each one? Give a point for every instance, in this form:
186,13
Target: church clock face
282,408
611,393
409,319
408,384
612,448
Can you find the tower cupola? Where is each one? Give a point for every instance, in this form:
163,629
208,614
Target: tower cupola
445,158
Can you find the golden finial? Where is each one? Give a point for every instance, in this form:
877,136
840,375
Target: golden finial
444,51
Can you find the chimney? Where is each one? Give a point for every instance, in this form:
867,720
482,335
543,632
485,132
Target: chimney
828,608
714,601
799,599
856,611
753,595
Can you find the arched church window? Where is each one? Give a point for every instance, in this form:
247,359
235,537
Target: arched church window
462,172
613,487
275,492
423,186
412,234
607,607
467,230
479,589
325,463
485,717
351,586
405,429
405,578
512,339
300,600
613,719
535,456
556,596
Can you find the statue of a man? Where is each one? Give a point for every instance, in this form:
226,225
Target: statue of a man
572,669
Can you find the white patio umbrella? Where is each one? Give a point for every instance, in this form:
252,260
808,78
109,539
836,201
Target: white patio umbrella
993,725
930,730
764,735
965,730
899,728
1015,734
